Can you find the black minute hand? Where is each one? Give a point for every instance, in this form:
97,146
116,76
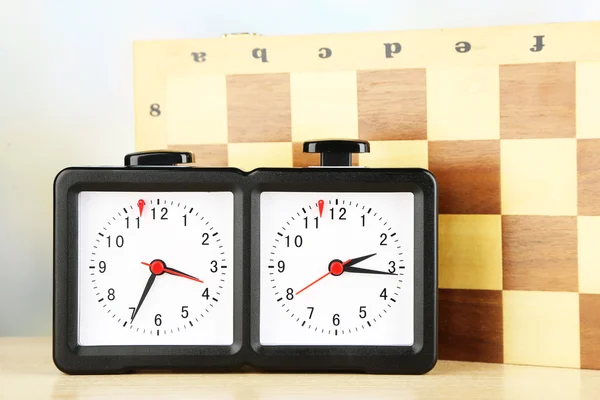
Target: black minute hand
146,290
365,271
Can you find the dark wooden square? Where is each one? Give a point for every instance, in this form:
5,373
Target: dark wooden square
258,108
537,100
539,253
588,176
468,174
589,321
470,325
392,104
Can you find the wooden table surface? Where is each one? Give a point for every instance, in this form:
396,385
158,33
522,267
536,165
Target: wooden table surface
27,371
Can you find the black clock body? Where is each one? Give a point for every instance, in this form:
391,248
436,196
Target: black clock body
142,175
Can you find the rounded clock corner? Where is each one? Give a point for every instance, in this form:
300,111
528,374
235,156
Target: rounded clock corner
425,359
65,360
428,176
64,178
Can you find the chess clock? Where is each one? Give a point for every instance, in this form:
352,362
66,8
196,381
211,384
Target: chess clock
160,265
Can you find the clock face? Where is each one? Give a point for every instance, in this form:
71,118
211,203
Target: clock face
337,269
155,268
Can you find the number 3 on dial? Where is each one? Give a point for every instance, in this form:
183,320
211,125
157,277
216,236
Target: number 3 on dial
336,269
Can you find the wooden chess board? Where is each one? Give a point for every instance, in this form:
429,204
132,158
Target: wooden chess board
507,118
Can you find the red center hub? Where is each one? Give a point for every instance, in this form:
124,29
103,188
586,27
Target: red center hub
157,267
336,267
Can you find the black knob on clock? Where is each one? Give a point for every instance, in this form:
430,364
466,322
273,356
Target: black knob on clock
336,153
151,158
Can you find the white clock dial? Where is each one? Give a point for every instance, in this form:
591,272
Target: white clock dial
155,268
337,268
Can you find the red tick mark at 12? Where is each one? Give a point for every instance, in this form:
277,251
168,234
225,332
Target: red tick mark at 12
321,203
141,203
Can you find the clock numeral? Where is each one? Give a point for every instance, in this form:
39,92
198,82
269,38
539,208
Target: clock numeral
289,294
205,236
102,267
155,109
312,310
119,241
383,294
137,219
297,241
392,267
164,213
184,312
383,237
316,222
132,312
185,220
336,319
111,294
158,320
214,268
363,217
280,266
205,294
342,213
362,312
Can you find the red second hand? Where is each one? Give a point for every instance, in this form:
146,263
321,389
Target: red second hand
158,268
301,290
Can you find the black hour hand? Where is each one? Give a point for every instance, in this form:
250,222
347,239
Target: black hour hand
356,261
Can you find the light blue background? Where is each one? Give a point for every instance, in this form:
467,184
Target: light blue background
66,94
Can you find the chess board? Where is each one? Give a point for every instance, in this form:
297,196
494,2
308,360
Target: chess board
507,118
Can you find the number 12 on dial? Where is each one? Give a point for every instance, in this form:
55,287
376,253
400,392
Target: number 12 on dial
337,269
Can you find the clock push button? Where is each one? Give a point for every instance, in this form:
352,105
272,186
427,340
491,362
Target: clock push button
336,153
158,158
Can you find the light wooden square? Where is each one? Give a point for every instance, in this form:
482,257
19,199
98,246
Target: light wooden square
248,156
396,154
541,328
196,109
470,252
588,238
463,103
323,105
539,176
588,99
